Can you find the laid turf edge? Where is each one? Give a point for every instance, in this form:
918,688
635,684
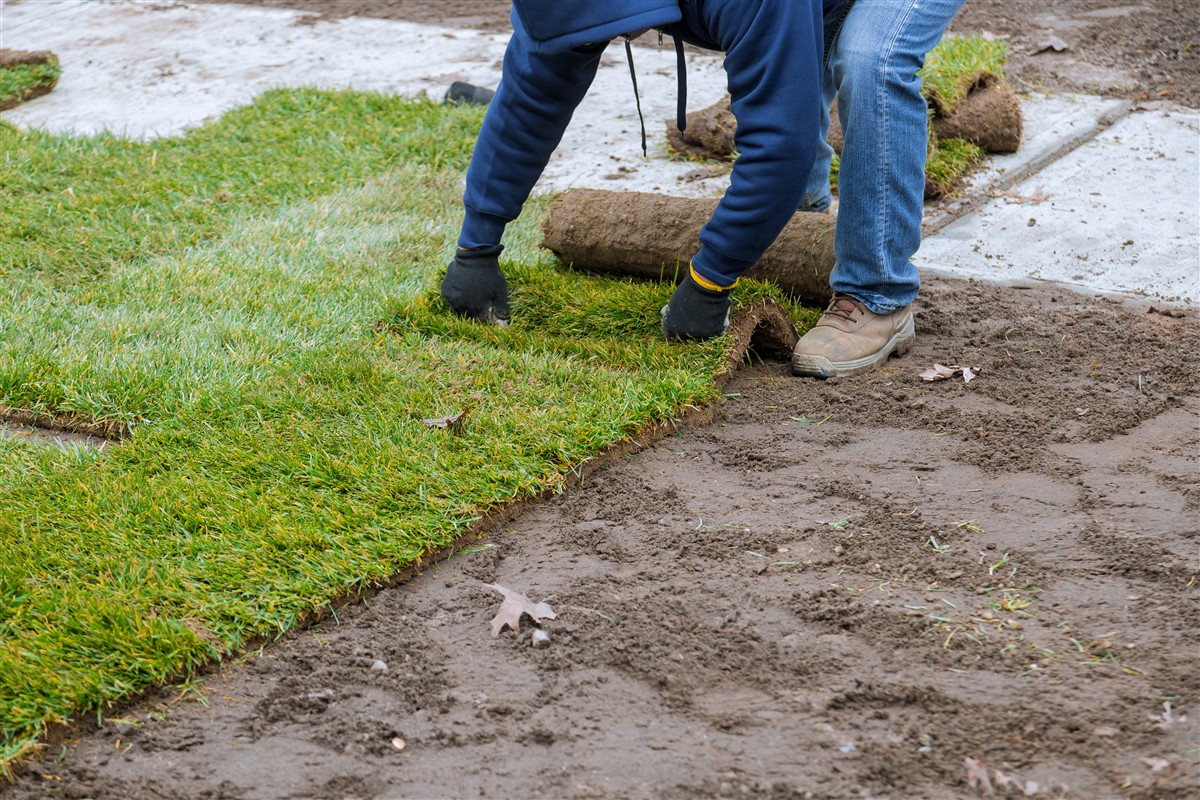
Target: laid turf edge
276,350
760,327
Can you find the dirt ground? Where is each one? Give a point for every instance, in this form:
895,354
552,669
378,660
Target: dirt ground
835,589
866,587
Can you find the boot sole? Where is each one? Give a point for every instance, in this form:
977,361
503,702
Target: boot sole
810,366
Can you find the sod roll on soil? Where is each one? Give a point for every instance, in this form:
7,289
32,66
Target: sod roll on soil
988,115
655,236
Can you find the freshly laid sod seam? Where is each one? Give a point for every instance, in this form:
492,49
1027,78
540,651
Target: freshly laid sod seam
273,354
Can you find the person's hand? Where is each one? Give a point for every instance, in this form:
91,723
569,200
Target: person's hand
695,312
474,286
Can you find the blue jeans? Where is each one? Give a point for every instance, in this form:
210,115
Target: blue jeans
874,49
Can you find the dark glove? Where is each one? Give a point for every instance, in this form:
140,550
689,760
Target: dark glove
695,312
475,287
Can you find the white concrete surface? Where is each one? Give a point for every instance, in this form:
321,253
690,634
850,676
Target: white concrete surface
1054,124
146,69
1119,213
1122,213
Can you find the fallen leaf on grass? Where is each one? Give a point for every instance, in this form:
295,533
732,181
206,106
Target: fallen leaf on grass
515,604
446,422
939,372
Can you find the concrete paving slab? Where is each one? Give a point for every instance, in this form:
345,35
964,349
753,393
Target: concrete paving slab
1121,213
1054,124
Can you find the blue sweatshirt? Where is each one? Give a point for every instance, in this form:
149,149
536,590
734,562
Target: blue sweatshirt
773,51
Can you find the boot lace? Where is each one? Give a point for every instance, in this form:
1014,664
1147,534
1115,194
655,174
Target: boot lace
843,306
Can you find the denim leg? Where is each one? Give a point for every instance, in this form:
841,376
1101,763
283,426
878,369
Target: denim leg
881,183
817,195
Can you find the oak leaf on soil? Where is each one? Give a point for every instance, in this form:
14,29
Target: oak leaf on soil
939,372
515,604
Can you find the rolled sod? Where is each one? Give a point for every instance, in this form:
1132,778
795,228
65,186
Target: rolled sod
655,236
29,74
989,115
709,132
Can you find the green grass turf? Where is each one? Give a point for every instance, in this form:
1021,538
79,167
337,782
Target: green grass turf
957,64
257,301
18,80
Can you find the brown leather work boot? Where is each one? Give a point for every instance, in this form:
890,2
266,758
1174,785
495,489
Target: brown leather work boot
850,339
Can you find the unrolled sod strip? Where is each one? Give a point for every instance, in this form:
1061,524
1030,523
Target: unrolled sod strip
655,236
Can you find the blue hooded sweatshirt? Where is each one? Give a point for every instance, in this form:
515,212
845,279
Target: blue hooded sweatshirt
773,51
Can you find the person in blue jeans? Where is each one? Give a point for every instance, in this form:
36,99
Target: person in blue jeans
785,59
874,49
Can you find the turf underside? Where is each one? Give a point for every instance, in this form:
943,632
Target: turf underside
257,302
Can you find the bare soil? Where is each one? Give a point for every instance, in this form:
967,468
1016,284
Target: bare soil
836,589
846,588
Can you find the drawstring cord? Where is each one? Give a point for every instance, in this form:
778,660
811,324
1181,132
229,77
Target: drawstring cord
681,72
636,98
681,102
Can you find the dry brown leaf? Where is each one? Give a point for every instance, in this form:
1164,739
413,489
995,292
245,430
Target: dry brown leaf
940,372
515,604
447,422
1156,765
1053,43
1028,788
977,777
1039,196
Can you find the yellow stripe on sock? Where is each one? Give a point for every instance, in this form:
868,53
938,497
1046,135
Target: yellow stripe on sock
706,283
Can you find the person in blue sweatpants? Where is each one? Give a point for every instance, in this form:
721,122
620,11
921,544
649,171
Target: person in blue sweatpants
773,51
785,59
874,49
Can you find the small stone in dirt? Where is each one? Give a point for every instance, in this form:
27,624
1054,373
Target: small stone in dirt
540,638
1107,730
837,551
379,666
